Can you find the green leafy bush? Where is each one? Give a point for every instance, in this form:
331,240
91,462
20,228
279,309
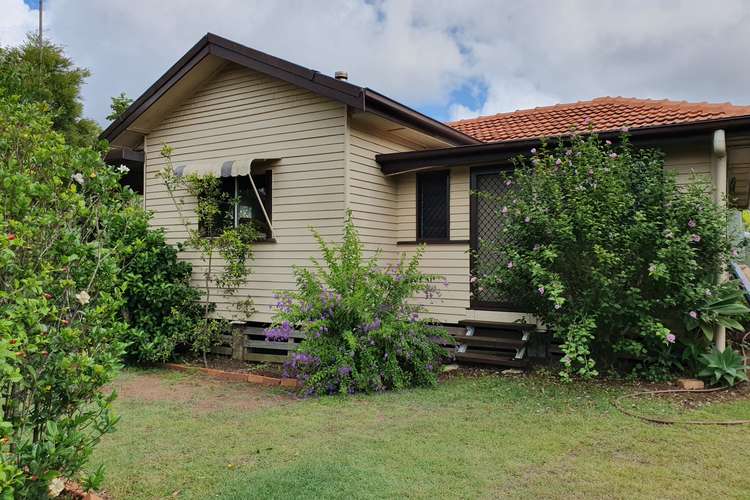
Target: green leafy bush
60,301
161,307
727,366
362,331
219,243
601,244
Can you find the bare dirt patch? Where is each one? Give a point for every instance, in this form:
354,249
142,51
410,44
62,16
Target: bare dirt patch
202,394
233,365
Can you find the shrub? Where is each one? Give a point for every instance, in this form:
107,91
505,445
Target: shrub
601,244
362,333
60,301
161,308
727,366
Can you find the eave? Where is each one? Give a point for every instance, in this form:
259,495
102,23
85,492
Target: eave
504,151
359,98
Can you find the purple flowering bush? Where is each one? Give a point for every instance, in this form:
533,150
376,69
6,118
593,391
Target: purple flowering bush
601,243
362,331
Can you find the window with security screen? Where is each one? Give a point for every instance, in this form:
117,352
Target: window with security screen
433,206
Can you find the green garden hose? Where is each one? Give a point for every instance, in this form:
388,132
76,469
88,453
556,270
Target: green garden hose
657,420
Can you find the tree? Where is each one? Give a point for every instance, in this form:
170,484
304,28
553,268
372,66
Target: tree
51,78
118,106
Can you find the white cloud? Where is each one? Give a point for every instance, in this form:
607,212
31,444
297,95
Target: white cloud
425,53
17,19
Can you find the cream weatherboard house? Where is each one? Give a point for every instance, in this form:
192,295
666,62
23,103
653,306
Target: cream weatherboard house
319,145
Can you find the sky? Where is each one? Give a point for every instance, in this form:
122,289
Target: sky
449,59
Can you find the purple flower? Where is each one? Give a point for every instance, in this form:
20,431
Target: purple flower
608,142
375,325
695,238
527,219
541,290
508,182
613,155
279,333
504,210
693,314
558,162
445,282
344,371
510,265
671,338
692,223
473,279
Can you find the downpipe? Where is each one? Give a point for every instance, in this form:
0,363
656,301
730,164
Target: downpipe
719,156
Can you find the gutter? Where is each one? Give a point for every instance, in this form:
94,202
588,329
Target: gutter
361,98
377,103
494,152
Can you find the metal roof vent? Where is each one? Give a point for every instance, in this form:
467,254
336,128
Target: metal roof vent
341,75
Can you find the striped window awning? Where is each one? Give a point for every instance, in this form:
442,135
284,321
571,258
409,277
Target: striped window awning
223,168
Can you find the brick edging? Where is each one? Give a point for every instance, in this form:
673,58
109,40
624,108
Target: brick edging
236,376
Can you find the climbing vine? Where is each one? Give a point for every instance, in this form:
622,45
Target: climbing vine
219,243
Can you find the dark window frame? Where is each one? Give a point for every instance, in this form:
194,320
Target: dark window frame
234,194
419,177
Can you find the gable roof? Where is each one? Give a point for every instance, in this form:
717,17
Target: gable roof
361,98
602,114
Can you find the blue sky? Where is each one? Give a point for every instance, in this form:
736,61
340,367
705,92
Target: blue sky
445,58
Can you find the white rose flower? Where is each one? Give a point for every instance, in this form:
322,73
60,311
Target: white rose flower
78,178
83,297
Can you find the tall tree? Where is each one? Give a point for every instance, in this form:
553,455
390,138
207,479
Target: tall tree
52,78
118,106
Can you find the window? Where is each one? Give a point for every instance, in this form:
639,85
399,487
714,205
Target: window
433,206
248,209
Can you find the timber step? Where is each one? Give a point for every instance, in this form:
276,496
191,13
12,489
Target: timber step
490,359
496,324
492,343
497,342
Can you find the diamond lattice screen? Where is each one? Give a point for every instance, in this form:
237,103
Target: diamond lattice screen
489,223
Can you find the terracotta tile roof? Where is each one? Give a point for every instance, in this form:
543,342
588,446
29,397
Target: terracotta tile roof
603,113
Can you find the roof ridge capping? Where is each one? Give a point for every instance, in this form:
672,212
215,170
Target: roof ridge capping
358,97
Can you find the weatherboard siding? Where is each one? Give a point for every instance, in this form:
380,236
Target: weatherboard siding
738,165
689,159
240,113
448,260
382,205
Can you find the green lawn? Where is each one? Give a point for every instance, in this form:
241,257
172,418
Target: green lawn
486,437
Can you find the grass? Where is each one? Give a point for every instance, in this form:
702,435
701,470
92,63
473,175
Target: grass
485,437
